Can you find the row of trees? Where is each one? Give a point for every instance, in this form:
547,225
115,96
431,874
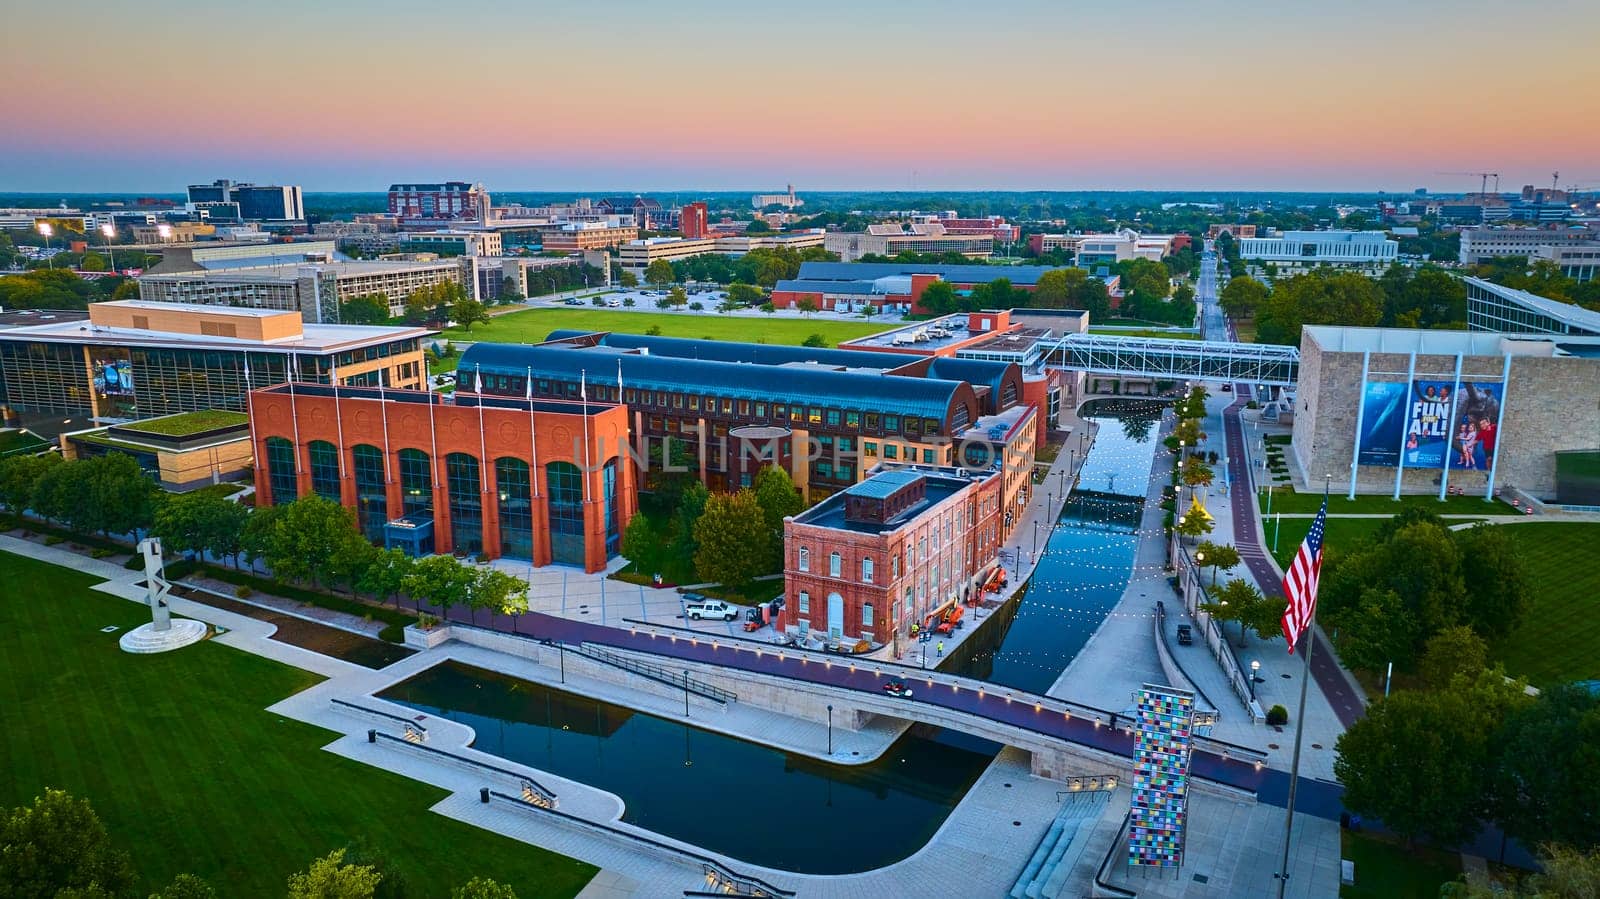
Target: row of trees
432,304
728,538
61,289
1416,578
309,541
1404,297
1542,277
764,266
58,847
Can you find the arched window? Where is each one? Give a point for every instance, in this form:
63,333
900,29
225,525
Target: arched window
416,483
324,469
565,482
372,501
465,492
516,507
835,564
804,559
613,515
280,471
866,571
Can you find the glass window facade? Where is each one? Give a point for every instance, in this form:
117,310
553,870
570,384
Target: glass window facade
416,483
613,515
324,469
516,507
372,502
280,471
565,483
465,492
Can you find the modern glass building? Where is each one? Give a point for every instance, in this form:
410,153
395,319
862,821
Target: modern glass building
136,359
1504,310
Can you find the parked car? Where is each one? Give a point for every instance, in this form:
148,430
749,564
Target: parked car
710,608
1185,635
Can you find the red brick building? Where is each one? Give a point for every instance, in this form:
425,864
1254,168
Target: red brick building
544,480
693,222
893,550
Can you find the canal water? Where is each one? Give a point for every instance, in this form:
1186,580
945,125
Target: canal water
792,812
1086,559
745,800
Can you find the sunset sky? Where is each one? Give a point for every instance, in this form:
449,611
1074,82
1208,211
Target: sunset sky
619,94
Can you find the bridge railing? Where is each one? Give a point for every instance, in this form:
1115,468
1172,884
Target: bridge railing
1067,708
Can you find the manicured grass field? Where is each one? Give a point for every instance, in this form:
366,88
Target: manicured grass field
534,325
185,423
1557,639
1388,870
1290,502
1340,535
179,758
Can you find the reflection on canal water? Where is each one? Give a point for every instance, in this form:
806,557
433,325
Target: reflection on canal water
744,800
1086,559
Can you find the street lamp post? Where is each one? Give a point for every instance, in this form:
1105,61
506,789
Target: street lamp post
686,693
109,231
46,229
830,729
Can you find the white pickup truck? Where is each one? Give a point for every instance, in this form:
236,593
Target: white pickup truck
710,608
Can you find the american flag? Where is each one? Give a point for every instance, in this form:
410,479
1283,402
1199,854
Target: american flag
1300,584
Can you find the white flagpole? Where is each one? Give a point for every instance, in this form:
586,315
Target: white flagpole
333,376
294,414
483,456
533,441
1309,638
383,412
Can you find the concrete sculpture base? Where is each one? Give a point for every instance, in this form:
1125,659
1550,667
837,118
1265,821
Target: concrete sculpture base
145,638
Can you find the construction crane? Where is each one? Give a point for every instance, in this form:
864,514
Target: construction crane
1483,187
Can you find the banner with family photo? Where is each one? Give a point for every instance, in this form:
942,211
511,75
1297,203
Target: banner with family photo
1447,421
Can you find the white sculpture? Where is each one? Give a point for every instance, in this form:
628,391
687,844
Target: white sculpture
162,633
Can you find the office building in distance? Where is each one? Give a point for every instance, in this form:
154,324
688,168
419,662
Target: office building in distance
636,255
138,359
893,239
889,286
547,481
254,202
693,222
1368,252
895,550
442,203
1506,310
1579,260
313,289
1482,244
576,237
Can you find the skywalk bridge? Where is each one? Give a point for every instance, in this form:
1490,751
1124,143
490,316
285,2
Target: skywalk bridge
1174,360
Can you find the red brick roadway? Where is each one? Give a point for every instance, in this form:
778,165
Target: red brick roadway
1315,797
1324,667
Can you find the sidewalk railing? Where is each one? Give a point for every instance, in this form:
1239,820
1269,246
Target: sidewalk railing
1194,595
414,731
679,679
720,880
539,795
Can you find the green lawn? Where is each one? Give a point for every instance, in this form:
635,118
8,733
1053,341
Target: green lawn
185,423
1558,636
1340,535
190,774
1291,502
534,325
1388,870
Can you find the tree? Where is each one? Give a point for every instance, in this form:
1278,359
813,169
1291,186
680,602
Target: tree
127,290
385,576
779,499
676,296
1240,601
440,581
1451,653
1216,556
1196,473
744,294
938,298
1498,592
310,539
186,886
467,312
19,480
1054,288
93,262
499,592
758,226
367,309
691,505
729,537
806,305
628,279
1417,560
1193,525
641,545
659,273
769,307
330,878
1419,760
1001,295
1376,630
1318,297
815,340
122,493
416,308
58,845
1549,751
483,888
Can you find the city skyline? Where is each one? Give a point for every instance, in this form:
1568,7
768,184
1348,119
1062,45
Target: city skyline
708,95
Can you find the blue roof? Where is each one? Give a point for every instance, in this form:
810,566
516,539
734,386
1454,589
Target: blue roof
759,353
1022,275
800,285
884,484
822,385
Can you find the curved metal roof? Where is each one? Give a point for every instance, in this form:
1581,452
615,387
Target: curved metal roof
775,382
